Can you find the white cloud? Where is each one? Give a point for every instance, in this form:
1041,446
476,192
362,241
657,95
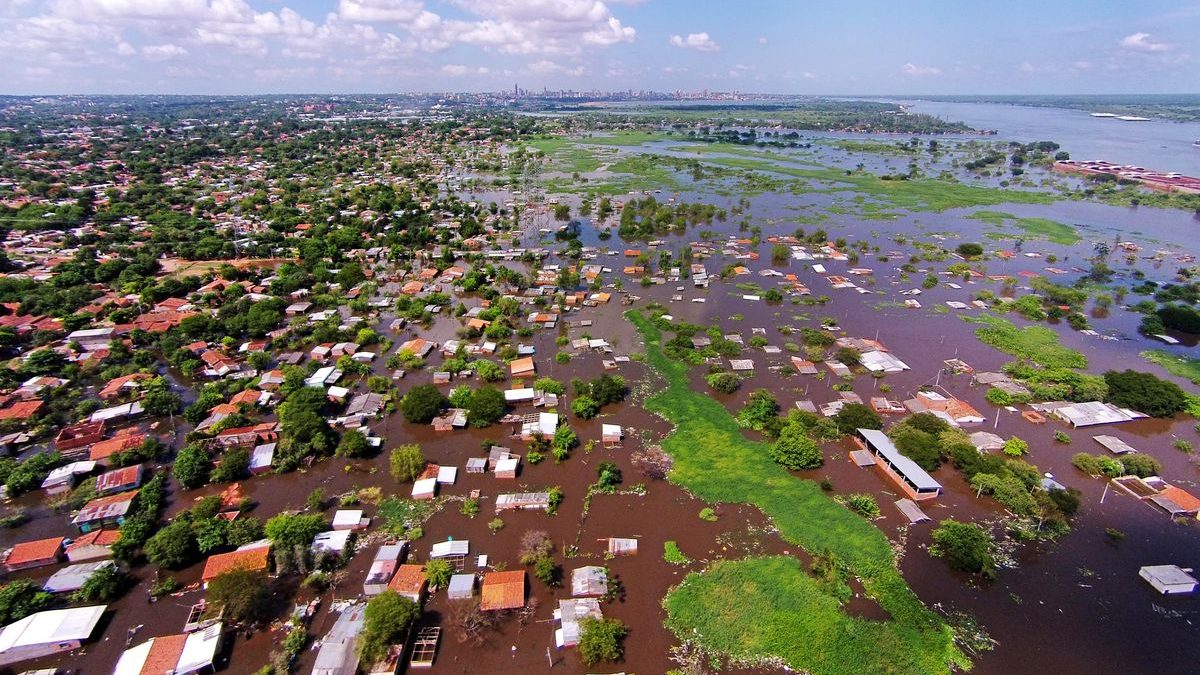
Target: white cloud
920,71
548,67
699,41
458,70
1141,42
163,52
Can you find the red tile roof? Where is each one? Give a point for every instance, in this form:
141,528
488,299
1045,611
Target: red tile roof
44,551
503,590
408,579
255,559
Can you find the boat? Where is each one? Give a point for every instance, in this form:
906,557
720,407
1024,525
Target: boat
1132,118
1196,144
1104,114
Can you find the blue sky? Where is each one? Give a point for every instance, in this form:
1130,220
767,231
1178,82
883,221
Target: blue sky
848,47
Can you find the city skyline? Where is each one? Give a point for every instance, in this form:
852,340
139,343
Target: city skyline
369,46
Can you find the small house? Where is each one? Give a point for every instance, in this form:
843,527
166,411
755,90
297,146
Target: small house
383,567
261,458
93,545
1169,579
425,488
571,614
589,582
523,501
338,654
462,587
331,542
522,367
508,468
65,477
350,519
46,633
410,582
30,554
183,654
119,480
72,578
104,512
255,556
503,590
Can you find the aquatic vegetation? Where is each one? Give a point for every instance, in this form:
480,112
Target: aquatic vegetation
760,608
1179,366
1050,230
1035,343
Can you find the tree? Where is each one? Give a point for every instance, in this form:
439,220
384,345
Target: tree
485,406
235,465
21,598
353,444
173,546
243,594
795,450
970,250
407,462
760,411
489,371
161,403
422,403
1144,392
585,407
438,572
1015,447
726,383
966,547
601,640
385,622
192,467
105,585
855,416
288,531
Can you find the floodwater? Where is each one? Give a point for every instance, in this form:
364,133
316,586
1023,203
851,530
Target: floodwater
1157,144
1072,606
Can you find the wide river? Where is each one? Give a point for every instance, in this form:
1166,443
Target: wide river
1160,145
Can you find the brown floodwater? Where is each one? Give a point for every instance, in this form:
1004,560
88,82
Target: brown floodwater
1071,606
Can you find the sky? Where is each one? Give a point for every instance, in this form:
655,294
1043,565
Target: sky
786,47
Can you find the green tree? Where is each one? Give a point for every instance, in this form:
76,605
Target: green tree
407,462
795,450
105,585
855,416
422,403
288,531
21,598
173,546
243,594
601,640
485,406
966,547
192,467
1144,392
353,444
386,621
438,572
234,465
585,407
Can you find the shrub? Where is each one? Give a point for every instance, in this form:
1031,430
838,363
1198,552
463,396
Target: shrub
407,462
795,450
422,403
386,622
708,514
854,416
673,555
585,407
1062,437
601,640
966,547
864,505
1015,447
1145,393
243,595
726,383
438,572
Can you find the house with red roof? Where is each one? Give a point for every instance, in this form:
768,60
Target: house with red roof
30,554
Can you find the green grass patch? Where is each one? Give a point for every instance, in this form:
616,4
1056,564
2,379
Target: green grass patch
626,138
1035,343
1179,366
673,555
1044,228
759,618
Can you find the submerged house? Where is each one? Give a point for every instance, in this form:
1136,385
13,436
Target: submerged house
50,632
104,512
184,654
30,554
339,648
914,481
503,590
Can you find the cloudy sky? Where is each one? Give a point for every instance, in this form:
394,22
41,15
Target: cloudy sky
784,46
